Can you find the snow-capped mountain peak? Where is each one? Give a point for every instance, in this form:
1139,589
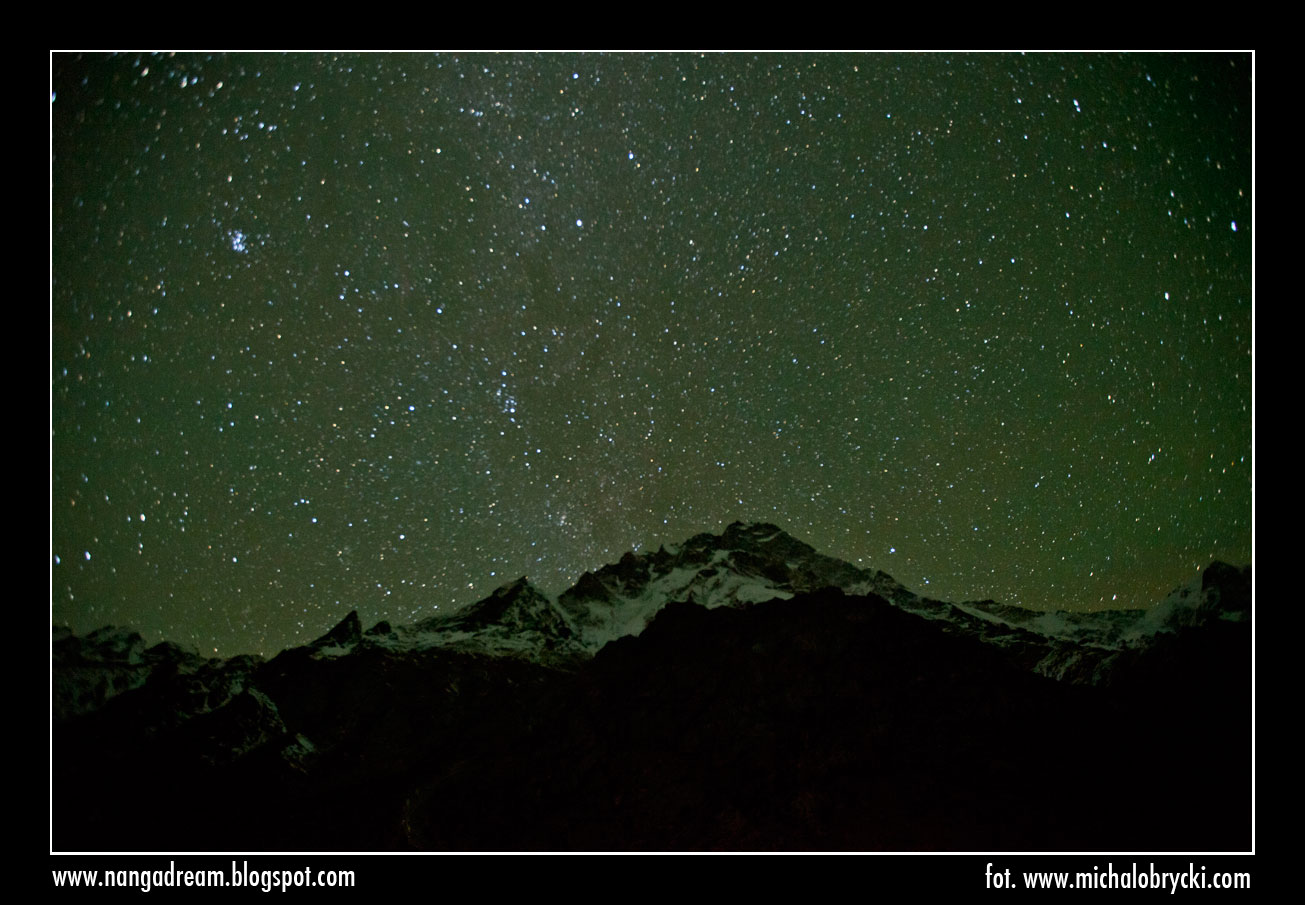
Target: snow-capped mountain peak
752,563
744,565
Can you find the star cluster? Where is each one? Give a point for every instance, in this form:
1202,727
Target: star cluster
385,331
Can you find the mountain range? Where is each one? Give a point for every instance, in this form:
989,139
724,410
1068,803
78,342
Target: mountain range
738,691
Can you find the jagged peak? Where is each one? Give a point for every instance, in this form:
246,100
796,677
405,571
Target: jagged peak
1218,572
513,588
347,631
381,628
752,529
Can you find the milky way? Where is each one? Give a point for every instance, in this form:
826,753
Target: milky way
387,331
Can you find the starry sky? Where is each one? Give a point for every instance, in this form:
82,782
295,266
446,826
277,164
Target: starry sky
386,331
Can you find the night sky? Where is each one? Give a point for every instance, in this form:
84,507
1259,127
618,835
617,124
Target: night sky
386,331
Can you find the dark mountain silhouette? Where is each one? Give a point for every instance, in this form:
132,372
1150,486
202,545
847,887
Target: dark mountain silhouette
824,718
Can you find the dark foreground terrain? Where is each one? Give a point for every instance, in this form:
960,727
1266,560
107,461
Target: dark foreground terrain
824,722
